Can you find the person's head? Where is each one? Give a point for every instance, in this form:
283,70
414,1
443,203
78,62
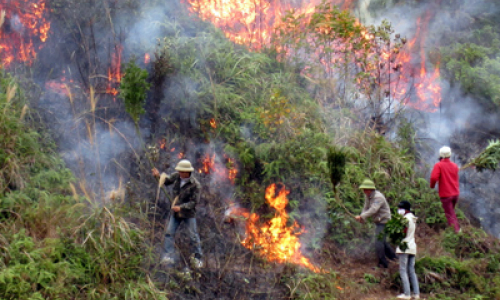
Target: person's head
184,168
445,152
404,207
367,186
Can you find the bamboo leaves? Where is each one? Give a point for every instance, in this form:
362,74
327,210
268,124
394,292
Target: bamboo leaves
488,158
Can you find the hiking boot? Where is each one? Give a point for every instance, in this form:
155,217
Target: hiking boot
416,296
197,262
403,296
167,260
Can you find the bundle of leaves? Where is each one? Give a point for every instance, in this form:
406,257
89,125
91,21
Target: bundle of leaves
488,159
395,231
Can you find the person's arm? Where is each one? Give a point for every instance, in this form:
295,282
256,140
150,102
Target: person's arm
365,206
435,174
171,178
373,209
194,198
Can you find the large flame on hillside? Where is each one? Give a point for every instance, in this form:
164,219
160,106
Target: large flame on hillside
252,23
273,239
23,30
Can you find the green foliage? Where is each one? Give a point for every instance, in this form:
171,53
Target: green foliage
133,90
336,164
471,59
447,275
51,245
370,278
314,286
395,231
489,158
472,243
48,271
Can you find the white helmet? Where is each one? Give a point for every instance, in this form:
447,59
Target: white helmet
184,165
445,152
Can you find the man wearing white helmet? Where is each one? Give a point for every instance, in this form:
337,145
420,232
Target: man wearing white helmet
445,173
187,194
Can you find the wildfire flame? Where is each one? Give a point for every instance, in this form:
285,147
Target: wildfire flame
213,123
273,239
210,166
163,143
427,86
23,28
114,71
57,87
249,22
252,23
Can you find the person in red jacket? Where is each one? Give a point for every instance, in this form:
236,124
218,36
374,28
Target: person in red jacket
446,173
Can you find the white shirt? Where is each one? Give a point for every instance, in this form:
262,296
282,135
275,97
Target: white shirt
184,181
410,235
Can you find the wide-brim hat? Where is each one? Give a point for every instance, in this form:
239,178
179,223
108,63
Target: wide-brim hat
367,185
184,166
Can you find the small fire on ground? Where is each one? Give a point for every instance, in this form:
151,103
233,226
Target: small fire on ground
210,166
273,239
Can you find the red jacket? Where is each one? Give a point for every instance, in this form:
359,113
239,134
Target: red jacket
446,172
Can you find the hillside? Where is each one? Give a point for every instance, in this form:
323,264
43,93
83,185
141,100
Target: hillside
80,214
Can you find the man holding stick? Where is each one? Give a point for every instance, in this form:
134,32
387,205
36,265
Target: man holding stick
377,208
187,192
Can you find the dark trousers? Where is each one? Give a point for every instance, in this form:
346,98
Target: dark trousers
194,238
449,204
383,249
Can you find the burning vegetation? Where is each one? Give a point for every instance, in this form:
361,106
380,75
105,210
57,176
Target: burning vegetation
266,116
24,28
274,239
263,24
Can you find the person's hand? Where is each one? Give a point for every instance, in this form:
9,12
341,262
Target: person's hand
359,219
156,173
176,208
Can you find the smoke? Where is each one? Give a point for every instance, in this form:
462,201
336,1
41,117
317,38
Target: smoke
461,121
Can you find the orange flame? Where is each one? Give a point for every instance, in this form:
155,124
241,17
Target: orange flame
249,22
428,87
213,123
208,164
232,171
163,143
252,23
180,155
228,172
114,71
273,239
57,87
24,27
147,58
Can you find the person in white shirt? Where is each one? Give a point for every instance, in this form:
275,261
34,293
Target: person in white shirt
407,257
